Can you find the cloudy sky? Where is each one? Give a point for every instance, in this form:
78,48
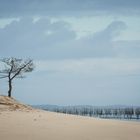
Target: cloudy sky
85,51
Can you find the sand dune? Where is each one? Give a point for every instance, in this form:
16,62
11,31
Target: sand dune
25,123
10,104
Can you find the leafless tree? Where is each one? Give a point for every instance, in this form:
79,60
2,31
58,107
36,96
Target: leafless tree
15,68
137,112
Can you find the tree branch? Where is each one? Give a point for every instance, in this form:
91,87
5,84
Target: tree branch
20,69
14,68
9,74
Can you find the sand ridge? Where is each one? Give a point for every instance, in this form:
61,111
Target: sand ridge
10,104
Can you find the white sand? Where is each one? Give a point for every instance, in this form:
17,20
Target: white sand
43,125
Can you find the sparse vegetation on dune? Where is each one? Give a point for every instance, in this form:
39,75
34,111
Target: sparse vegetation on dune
7,103
101,112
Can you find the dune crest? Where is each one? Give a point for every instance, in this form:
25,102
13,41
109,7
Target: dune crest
10,104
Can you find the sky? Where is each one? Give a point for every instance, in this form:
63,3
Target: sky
86,52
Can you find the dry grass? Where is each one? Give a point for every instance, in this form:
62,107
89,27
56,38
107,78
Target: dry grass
11,104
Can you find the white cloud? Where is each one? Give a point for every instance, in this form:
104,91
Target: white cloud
6,21
45,39
20,38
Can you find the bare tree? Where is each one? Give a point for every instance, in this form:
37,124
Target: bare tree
137,112
15,68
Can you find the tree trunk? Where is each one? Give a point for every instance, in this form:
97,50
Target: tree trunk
10,88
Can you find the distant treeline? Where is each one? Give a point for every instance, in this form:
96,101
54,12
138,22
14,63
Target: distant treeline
101,112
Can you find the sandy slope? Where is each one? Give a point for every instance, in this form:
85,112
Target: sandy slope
29,124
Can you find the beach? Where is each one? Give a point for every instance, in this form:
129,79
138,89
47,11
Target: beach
22,122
